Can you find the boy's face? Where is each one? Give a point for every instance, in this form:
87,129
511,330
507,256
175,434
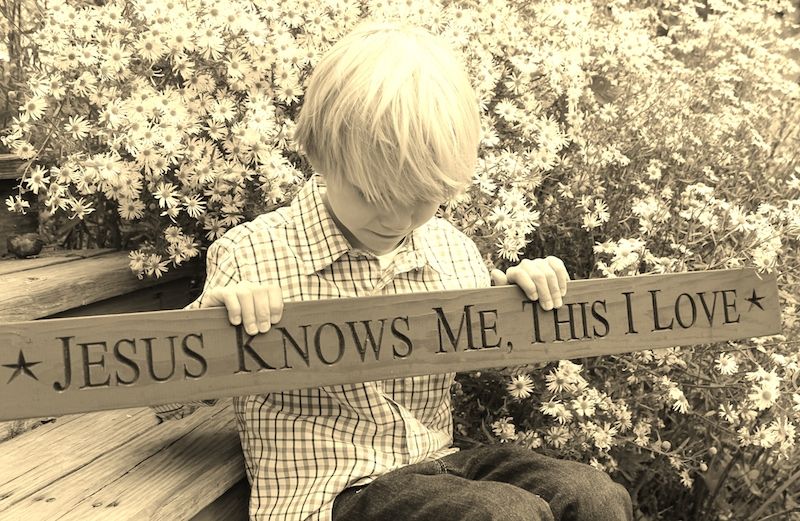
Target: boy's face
369,227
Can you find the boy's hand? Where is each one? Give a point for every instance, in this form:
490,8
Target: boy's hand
542,279
254,305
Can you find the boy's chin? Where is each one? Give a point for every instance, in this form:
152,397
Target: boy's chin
381,247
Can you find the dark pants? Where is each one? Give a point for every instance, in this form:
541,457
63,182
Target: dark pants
502,483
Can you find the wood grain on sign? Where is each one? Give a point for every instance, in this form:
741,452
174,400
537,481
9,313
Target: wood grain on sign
61,366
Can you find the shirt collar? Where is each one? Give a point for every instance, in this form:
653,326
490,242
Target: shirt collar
321,241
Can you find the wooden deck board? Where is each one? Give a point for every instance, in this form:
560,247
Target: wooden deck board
142,475
44,455
10,166
47,258
34,293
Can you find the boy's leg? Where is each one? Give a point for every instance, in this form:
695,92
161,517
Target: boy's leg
574,491
424,492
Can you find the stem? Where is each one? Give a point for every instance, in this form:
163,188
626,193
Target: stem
779,515
723,477
44,143
775,495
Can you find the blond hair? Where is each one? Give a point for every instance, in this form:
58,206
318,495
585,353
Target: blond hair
390,108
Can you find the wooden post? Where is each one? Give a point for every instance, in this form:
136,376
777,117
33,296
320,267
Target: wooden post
61,366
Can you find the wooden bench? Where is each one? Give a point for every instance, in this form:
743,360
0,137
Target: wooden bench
120,464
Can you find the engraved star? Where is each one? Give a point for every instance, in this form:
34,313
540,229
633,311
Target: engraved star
22,365
754,301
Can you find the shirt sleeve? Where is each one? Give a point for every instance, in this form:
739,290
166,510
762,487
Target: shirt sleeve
482,276
471,256
221,270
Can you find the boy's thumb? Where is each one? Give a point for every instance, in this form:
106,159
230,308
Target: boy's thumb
498,278
213,297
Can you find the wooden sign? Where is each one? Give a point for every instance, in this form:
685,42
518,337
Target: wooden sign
61,366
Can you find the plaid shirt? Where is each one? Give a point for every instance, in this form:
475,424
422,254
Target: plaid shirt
304,447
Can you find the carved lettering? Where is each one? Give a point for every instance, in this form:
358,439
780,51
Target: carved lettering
629,309
584,320
536,333
402,337
728,305
194,355
466,318
243,346
350,336
151,359
88,364
491,327
302,351
60,387
600,317
361,345
339,345
656,323
570,320
709,313
127,361
679,315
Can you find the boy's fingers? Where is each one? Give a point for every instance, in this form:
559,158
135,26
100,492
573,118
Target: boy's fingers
213,297
261,303
553,288
561,272
542,286
225,296
244,295
546,281
275,303
520,277
498,278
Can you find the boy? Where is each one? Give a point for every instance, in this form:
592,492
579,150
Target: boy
390,124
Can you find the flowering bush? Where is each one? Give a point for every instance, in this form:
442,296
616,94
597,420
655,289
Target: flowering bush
626,137
17,20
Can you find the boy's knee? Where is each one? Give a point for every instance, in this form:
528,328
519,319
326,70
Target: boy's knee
495,501
596,497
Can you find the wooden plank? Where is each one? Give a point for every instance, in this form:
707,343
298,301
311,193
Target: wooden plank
62,366
162,472
45,427
13,428
51,289
173,294
10,166
231,506
48,258
74,441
